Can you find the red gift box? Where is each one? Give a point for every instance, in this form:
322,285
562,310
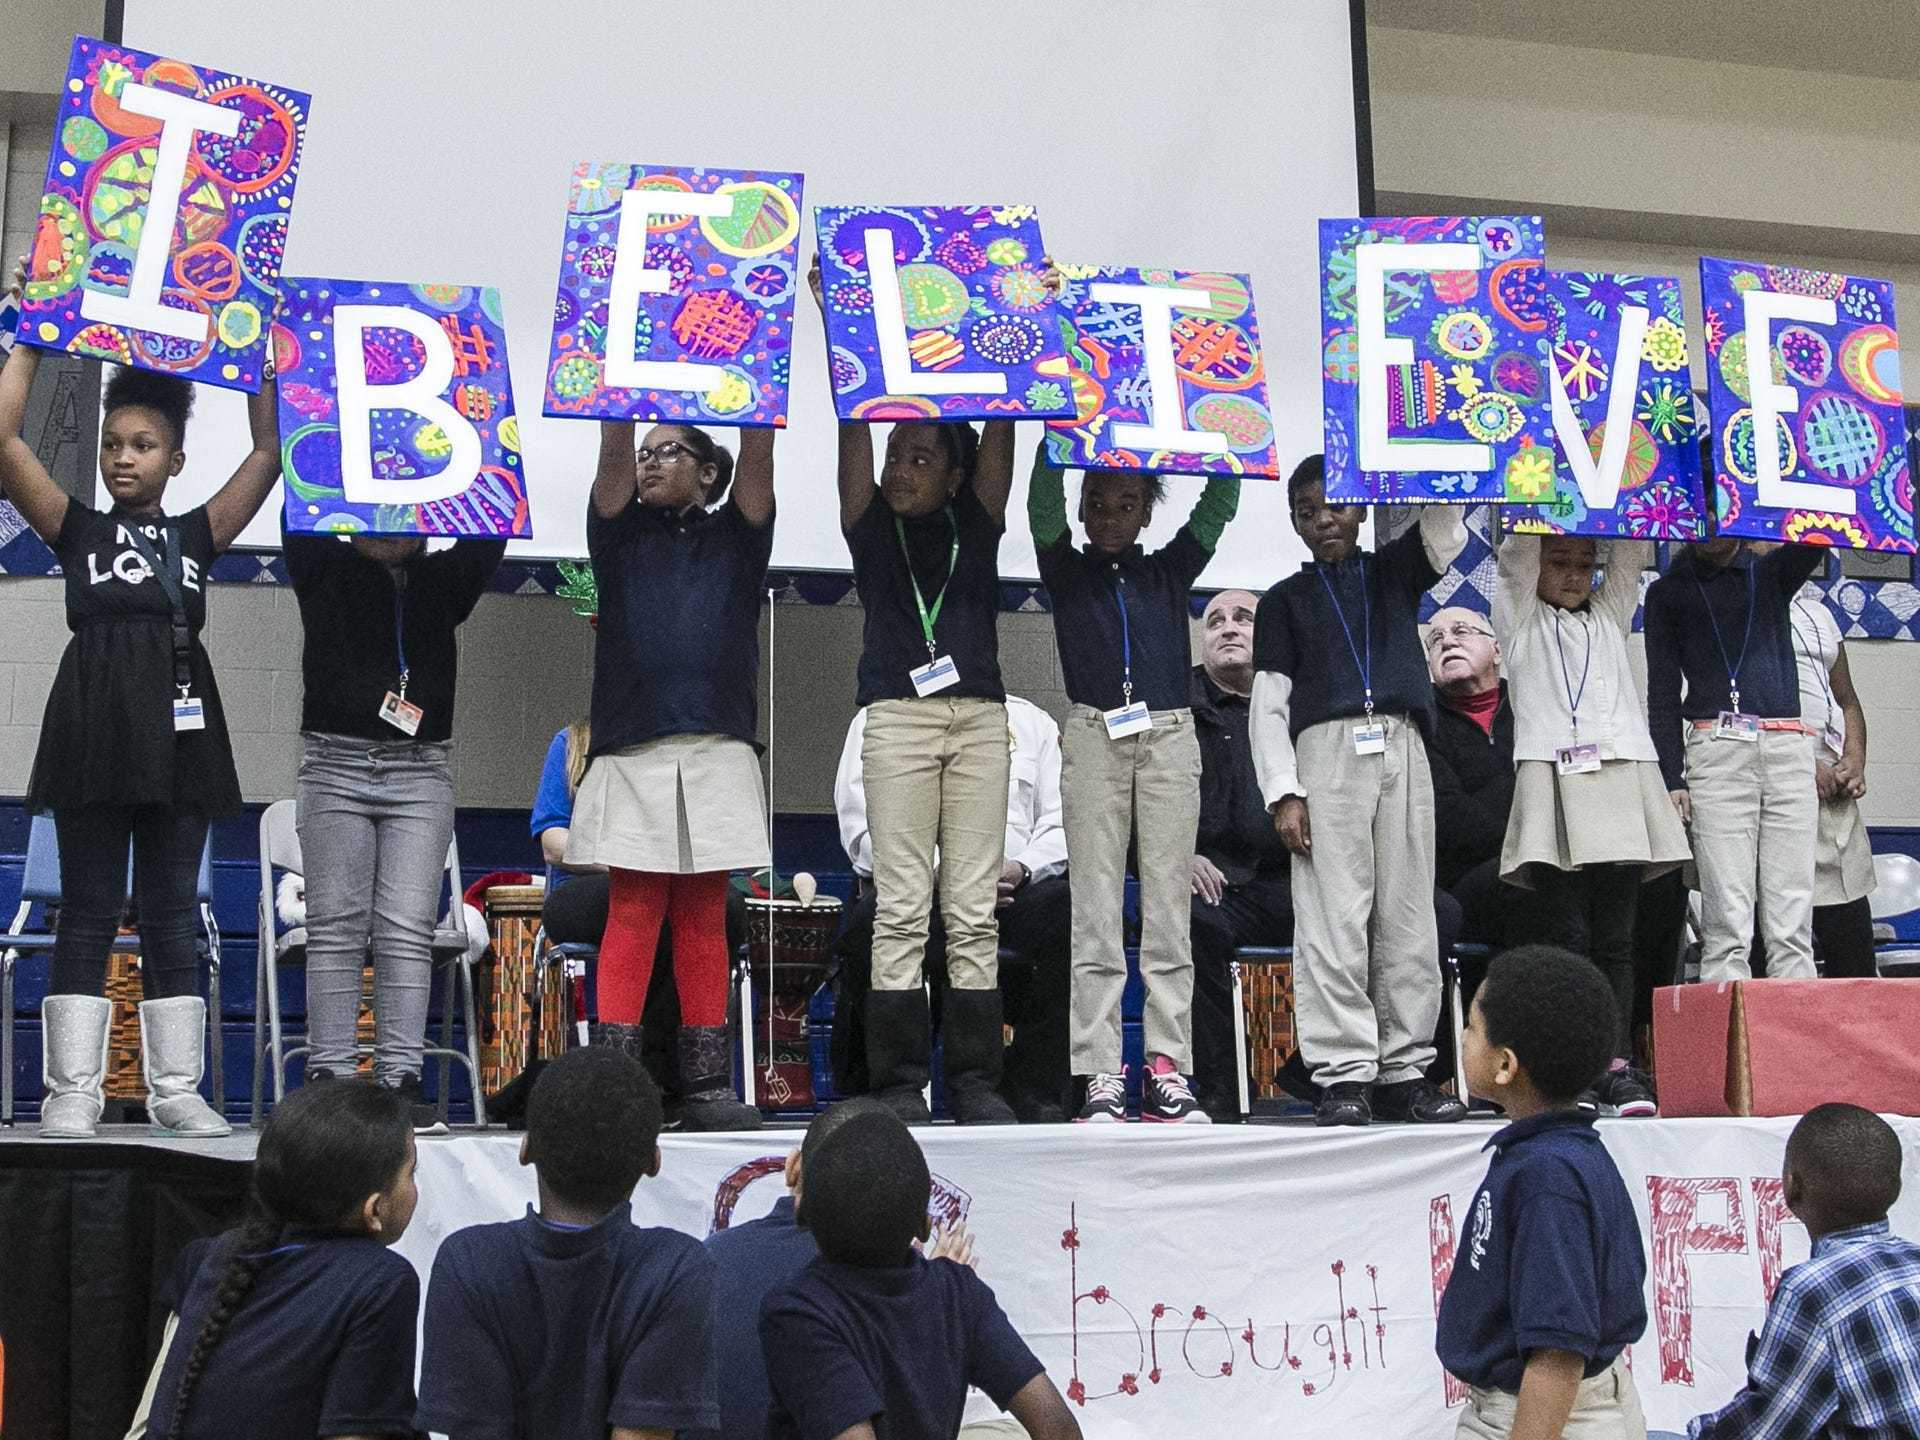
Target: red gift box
1781,1047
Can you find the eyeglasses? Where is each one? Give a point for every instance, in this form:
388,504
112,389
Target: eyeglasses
1457,632
666,454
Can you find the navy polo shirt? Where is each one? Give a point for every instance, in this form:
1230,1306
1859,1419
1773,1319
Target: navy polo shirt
537,1331
845,1344
1087,591
1298,631
749,1262
1696,626
678,646
892,643
321,1345
1549,1258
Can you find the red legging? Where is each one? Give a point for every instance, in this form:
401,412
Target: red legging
696,905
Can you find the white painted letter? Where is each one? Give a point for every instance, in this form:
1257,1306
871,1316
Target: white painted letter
890,329
1378,350
1168,428
421,395
180,116
632,279
1771,401
1600,480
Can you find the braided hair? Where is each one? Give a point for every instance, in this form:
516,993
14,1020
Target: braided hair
324,1150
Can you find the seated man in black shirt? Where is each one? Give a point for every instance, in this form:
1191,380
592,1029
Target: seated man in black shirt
1242,875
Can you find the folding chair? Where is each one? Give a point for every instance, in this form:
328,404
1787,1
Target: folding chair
41,886
280,848
1896,898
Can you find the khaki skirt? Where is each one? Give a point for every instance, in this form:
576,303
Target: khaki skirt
1843,854
679,805
1616,815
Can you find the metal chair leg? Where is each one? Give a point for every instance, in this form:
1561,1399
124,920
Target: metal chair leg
1240,1039
6,1038
1458,1015
445,1103
473,1044
747,1071
216,1040
259,1026
274,1044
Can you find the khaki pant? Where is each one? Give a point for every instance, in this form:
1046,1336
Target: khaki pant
1755,822
936,775
1366,971
1607,1407
1145,787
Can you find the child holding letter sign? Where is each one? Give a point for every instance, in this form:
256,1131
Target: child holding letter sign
134,743
1341,704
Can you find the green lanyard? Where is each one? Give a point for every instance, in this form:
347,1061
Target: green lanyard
928,617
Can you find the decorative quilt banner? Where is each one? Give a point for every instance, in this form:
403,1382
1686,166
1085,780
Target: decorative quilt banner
164,215
1837,471
939,313
396,410
1433,358
676,295
1166,372
1624,416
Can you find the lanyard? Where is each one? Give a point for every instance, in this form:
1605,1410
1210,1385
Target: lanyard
929,616
169,573
1126,643
399,578
1586,666
1814,655
1365,667
1733,666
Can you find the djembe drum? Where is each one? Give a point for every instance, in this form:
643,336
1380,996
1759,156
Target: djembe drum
789,955
1263,985
529,1007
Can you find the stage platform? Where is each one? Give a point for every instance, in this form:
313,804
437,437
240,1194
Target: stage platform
1184,1283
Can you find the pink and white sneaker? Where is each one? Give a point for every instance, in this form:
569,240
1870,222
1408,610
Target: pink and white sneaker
1167,1098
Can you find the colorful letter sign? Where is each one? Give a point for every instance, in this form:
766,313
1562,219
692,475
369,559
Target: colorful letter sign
396,411
938,312
1166,373
1624,417
1433,357
676,295
164,215
1837,471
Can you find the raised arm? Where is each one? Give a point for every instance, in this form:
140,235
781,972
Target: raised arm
1619,593
856,441
993,469
1516,589
616,479
753,475
1046,500
23,479
240,499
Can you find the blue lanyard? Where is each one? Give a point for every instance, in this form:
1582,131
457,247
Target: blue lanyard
1573,696
400,626
1733,667
1126,642
1365,667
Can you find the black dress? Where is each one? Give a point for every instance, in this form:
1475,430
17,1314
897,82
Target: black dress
107,737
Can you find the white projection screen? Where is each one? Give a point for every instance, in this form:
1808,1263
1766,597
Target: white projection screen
1197,134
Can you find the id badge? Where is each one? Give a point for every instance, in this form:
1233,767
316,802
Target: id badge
403,715
1577,759
1832,739
1736,725
1370,738
936,675
189,713
1127,720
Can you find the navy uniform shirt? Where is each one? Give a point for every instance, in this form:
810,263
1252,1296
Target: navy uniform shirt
1298,631
749,1262
357,616
322,1344
1236,832
678,646
1683,609
898,1347
1549,1258
892,643
537,1331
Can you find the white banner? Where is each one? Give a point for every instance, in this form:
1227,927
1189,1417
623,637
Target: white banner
1195,1283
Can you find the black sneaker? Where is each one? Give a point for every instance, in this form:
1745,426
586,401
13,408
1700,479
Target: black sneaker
1588,1101
1167,1099
1106,1100
1416,1102
422,1111
1344,1103
1628,1092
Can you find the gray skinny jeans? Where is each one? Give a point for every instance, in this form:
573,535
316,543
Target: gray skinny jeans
375,818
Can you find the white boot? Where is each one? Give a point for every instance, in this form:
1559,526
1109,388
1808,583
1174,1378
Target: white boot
73,1065
171,1060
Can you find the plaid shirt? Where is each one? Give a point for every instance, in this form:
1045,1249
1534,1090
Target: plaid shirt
1837,1355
